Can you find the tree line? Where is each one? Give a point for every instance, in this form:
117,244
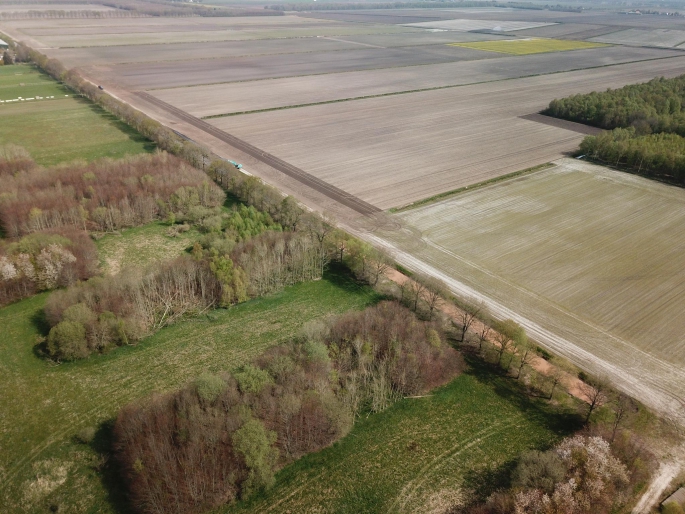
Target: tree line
646,123
105,195
224,436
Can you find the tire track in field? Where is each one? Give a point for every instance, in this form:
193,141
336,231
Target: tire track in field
288,169
424,474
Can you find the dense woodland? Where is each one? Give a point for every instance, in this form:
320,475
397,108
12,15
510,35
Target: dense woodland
106,195
647,124
223,437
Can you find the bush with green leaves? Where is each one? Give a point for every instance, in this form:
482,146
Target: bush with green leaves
255,444
252,380
67,341
209,387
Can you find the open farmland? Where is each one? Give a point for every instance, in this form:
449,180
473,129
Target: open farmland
390,151
218,99
421,455
68,127
209,71
591,255
529,46
469,25
98,34
637,37
45,405
108,55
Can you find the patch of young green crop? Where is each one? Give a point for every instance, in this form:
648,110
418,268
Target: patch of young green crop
44,406
423,454
63,128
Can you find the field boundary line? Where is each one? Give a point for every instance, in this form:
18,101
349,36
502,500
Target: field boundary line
392,93
477,185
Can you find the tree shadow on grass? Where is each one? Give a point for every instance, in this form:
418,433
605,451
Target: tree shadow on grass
340,276
133,134
559,420
40,323
485,482
108,472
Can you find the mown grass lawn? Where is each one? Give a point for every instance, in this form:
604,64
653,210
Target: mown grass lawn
422,454
43,405
61,129
529,46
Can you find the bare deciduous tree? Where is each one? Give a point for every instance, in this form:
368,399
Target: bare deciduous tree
467,315
594,391
434,294
622,405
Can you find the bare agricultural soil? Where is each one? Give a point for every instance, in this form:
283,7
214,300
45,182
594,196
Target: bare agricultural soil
215,99
108,55
211,71
392,151
591,255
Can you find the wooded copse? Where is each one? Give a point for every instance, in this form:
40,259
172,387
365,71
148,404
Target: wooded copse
651,107
105,195
583,474
657,155
223,437
14,158
647,125
45,260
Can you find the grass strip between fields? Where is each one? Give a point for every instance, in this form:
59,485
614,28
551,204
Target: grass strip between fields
392,93
453,192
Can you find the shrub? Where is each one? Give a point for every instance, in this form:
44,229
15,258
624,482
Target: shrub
209,387
255,444
67,341
252,379
539,470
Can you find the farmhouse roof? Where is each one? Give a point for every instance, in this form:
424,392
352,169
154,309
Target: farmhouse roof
2,43
678,497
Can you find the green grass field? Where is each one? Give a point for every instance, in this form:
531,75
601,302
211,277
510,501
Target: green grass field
43,405
421,455
141,246
60,129
529,46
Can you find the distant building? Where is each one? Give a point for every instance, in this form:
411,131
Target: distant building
677,497
3,45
